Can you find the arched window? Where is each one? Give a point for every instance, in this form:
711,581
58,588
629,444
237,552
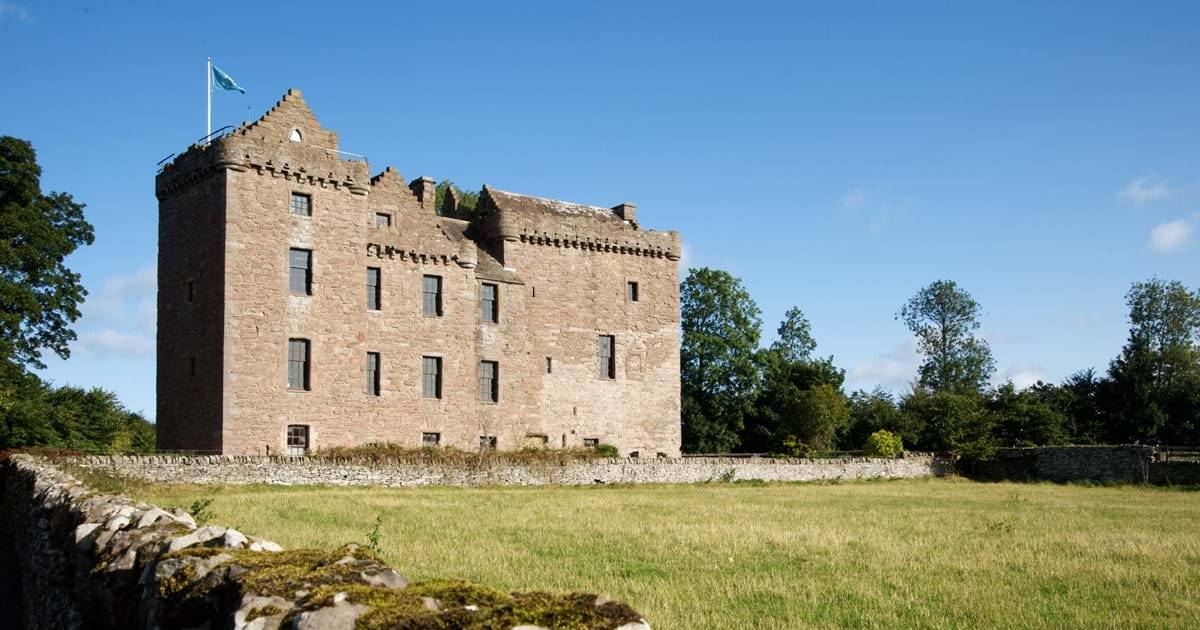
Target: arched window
296,136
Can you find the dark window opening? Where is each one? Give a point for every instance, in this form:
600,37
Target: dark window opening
549,365
383,219
633,454
631,291
191,290
489,381
298,365
297,440
431,296
591,442
606,356
192,366
301,204
373,374
300,271
487,442
431,377
430,440
489,310
374,289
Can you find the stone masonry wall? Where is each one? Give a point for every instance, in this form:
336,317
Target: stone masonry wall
1127,464
310,471
81,559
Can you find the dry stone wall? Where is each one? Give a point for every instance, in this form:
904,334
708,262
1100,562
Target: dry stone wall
1123,464
80,559
309,471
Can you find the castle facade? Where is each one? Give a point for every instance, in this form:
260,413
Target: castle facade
304,304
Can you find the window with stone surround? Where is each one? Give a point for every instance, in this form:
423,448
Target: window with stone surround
489,310
489,381
631,291
487,442
591,442
606,356
373,374
383,219
549,365
300,271
431,377
297,440
430,440
431,296
374,289
298,364
301,204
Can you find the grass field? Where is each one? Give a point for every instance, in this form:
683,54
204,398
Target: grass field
921,553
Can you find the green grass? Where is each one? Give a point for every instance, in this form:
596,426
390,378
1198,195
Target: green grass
923,553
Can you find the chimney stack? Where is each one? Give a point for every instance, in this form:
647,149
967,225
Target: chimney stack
627,211
426,191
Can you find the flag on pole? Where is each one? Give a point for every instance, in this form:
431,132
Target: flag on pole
224,81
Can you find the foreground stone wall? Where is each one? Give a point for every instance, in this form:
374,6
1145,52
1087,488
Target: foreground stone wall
1124,464
80,559
313,471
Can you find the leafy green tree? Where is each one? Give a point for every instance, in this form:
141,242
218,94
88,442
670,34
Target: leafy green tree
465,199
800,401
39,295
795,341
1029,417
958,422
944,318
1155,380
874,411
720,377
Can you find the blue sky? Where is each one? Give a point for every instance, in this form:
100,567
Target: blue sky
838,159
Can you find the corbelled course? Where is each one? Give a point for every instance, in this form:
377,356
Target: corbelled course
88,560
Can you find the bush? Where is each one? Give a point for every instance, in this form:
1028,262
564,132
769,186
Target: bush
883,443
606,450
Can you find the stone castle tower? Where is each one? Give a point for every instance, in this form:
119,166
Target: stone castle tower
303,304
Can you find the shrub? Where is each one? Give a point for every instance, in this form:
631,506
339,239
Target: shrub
883,443
606,450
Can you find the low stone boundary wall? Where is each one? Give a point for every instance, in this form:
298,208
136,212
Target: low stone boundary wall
79,559
219,469
1122,464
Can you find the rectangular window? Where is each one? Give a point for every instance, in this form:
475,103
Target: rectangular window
382,219
631,291
192,366
297,440
591,442
373,375
431,377
374,290
549,365
191,291
431,296
489,381
430,440
300,271
487,442
606,356
488,309
301,204
298,372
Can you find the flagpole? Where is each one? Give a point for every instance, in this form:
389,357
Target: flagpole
208,83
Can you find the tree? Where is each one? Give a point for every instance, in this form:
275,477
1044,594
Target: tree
721,331
800,402
1029,417
874,411
944,318
1156,378
463,201
795,342
951,421
39,295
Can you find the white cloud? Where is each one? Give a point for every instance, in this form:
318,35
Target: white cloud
122,299
1023,376
108,342
18,11
1170,236
1144,190
854,199
893,369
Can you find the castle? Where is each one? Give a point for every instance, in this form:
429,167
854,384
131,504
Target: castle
305,304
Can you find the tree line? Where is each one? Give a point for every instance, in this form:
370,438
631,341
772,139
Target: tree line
786,399
39,300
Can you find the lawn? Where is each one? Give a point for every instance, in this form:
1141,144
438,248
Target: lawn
917,553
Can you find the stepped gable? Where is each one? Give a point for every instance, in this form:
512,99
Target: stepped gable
287,141
563,224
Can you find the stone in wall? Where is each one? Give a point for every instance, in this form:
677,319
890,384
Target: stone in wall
89,560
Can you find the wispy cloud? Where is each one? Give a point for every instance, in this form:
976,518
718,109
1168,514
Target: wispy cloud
1023,375
1171,236
14,10
1145,189
893,369
122,299
877,214
109,342
854,199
